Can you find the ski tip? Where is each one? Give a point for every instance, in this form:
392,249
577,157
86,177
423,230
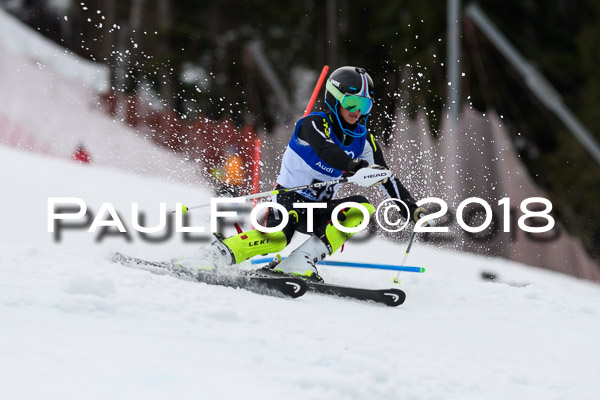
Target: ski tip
394,297
184,209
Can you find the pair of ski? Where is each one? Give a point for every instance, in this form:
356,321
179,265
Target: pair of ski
270,285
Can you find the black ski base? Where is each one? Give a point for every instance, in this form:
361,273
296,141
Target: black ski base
274,286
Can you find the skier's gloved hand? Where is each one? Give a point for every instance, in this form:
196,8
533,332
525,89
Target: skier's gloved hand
354,166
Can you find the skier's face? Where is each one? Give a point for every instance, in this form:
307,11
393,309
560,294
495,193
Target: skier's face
350,117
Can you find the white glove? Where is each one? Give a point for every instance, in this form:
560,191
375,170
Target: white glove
370,176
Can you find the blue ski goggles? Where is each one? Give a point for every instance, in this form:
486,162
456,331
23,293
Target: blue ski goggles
351,102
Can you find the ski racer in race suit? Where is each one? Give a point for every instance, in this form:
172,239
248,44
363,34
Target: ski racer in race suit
324,146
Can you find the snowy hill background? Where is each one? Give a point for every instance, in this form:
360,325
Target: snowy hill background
50,104
75,325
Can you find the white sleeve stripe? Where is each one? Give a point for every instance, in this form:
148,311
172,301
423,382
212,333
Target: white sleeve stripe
367,154
322,133
396,195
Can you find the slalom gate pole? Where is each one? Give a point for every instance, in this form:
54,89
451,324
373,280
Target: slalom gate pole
410,242
256,169
316,90
264,260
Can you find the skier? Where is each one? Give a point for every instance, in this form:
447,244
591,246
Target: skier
324,146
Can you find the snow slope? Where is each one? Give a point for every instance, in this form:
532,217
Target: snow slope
76,326
18,38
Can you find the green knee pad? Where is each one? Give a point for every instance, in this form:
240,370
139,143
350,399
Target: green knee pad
252,243
353,218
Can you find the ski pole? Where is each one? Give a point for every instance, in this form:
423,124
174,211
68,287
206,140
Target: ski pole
410,242
264,260
364,177
276,191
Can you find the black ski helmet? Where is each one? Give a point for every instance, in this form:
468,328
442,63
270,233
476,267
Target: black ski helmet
346,83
